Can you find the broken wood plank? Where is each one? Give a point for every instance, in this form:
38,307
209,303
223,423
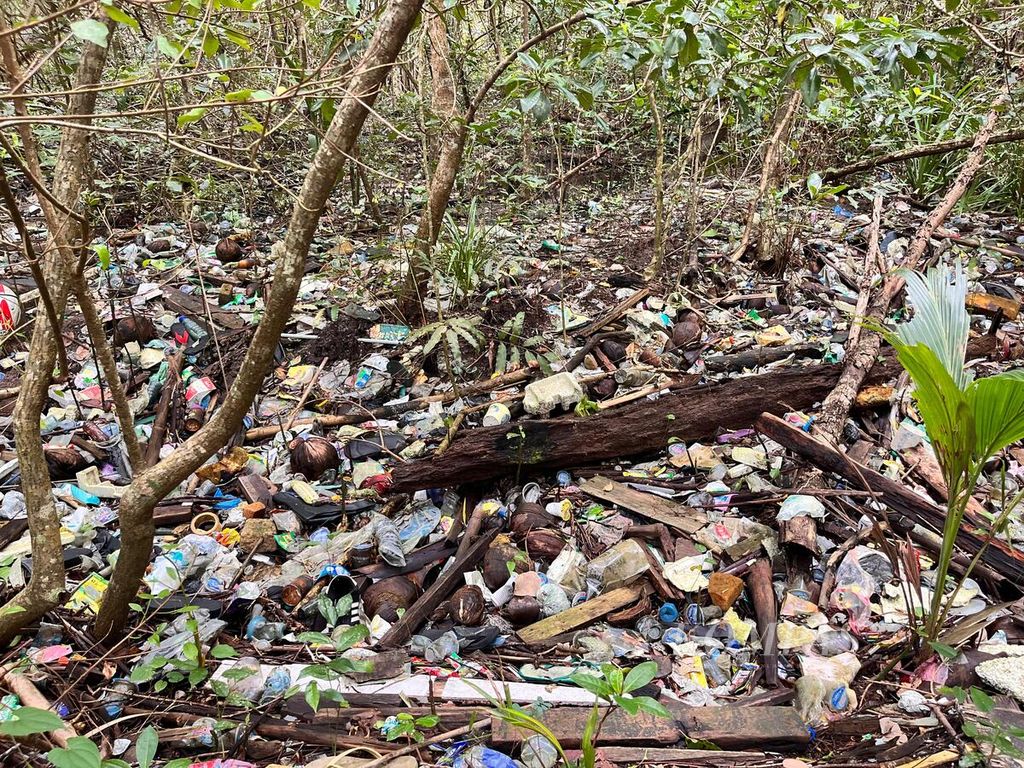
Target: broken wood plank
641,427
738,727
195,306
581,614
439,591
990,304
1002,560
659,509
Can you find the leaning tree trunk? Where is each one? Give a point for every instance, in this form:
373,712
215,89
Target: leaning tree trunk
152,485
71,176
836,408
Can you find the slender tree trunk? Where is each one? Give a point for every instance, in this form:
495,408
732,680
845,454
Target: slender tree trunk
654,268
442,80
152,485
71,176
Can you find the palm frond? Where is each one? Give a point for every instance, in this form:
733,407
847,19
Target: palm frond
940,319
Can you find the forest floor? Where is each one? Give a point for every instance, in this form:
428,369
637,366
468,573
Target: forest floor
618,469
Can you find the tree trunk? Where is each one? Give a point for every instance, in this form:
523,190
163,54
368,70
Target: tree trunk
654,268
70,178
442,80
152,485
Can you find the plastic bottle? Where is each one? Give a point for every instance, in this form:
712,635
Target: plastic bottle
619,566
114,699
442,648
484,757
538,752
277,683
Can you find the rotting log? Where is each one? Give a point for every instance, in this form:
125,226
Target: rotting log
637,428
999,558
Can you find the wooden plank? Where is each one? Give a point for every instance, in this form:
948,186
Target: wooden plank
668,756
675,516
446,583
728,727
568,724
581,614
990,304
190,304
739,727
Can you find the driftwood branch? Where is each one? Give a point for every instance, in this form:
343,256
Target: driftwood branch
924,150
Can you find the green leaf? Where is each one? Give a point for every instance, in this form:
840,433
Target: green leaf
211,44
80,753
313,638
592,683
940,321
168,48
116,14
640,675
221,651
26,721
997,406
649,705
427,721
196,676
947,652
181,762
631,705
145,746
91,31
982,700
241,95
351,636
142,673
313,696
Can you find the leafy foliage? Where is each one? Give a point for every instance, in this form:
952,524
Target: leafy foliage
968,422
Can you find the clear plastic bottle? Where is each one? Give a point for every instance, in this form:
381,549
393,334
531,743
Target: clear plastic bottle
619,566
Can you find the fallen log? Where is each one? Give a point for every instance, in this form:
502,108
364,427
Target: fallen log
752,358
925,150
1002,560
640,427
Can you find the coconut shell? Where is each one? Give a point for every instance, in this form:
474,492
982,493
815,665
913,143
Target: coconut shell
228,250
134,328
313,456
521,611
496,562
524,521
64,463
613,350
466,606
386,597
544,544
